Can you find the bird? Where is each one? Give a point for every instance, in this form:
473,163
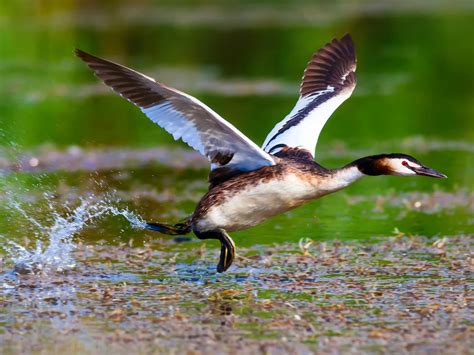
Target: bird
249,184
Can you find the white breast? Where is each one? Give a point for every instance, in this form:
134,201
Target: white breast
256,203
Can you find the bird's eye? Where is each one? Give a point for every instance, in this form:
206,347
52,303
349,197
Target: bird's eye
404,163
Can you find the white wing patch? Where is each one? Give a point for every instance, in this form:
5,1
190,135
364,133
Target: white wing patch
328,80
304,134
176,124
246,157
183,116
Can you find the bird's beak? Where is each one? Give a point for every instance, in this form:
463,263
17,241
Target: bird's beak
425,171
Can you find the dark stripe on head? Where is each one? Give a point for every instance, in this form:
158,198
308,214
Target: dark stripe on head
380,164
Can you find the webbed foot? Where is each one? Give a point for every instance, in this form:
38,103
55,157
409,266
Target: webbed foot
227,253
227,247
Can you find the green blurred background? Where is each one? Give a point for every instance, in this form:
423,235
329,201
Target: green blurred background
245,59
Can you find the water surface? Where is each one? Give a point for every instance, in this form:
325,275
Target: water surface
64,134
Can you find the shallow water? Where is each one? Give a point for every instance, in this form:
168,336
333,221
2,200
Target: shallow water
382,265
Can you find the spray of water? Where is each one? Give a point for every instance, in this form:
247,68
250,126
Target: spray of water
54,242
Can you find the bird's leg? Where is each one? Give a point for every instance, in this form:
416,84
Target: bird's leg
227,247
227,252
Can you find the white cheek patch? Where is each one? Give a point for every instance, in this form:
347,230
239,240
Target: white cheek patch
398,168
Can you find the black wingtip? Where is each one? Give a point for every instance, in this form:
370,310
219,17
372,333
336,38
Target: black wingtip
85,56
79,53
347,38
332,65
347,41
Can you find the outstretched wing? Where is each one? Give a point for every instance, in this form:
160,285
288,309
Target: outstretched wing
328,81
183,116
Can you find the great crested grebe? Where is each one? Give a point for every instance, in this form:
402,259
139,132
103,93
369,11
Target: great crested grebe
249,184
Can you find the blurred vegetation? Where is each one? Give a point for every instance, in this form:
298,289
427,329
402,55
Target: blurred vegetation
415,67
245,59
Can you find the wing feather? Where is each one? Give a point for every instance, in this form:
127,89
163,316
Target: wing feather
183,116
328,80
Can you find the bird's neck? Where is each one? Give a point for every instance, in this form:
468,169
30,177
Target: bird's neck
345,176
333,180
371,165
366,166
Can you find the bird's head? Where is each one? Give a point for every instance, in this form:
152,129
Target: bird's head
395,164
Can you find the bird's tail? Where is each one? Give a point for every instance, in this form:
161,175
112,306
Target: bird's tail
170,229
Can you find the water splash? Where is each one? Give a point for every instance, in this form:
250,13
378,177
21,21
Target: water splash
135,220
54,242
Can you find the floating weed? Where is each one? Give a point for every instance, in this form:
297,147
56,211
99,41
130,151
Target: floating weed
397,233
297,301
304,245
228,295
